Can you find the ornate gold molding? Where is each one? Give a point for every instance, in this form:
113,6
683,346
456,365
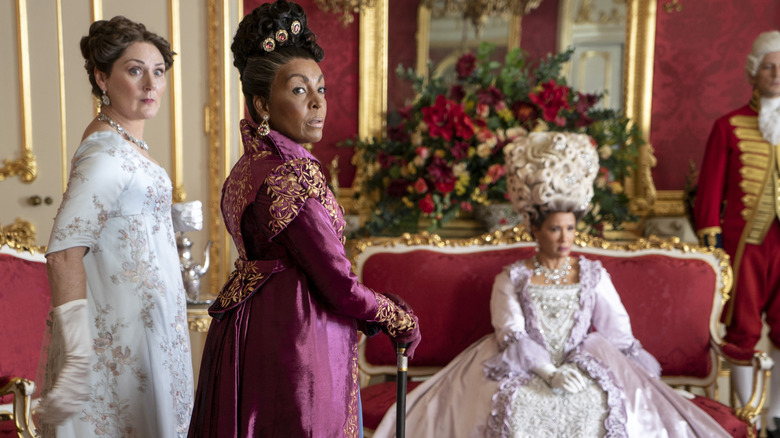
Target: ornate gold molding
198,319
26,168
177,129
372,104
20,236
519,234
63,125
640,49
212,125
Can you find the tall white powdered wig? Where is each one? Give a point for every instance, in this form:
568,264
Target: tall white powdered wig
766,42
551,172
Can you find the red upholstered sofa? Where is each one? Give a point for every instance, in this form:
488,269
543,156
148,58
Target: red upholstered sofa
673,292
24,306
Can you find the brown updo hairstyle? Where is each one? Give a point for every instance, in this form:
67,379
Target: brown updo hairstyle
107,41
257,67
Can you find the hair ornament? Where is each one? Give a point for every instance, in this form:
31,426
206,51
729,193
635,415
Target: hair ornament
269,44
551,172
295,27
281,35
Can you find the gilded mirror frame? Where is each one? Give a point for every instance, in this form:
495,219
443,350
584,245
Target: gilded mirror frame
638,91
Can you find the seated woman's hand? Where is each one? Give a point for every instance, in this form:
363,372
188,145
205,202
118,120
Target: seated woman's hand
567,379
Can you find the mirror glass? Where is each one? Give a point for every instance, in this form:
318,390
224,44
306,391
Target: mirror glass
596,30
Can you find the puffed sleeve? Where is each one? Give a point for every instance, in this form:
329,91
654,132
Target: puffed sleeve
520,354
98,176
611,320
712,180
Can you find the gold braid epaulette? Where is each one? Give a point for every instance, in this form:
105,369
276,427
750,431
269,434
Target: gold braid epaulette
244,280
396,320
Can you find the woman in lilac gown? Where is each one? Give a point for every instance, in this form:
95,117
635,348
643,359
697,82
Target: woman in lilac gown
563,361
280,358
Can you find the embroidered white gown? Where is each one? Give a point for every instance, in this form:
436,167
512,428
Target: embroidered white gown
490,390
118,205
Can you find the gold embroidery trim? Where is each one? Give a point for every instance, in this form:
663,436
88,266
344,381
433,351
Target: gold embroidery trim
754,160
351,429
748,134
291,184
395,320
754,146
242,281
744,121
752,173
750,187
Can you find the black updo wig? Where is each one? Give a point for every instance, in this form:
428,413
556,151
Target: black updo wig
258,67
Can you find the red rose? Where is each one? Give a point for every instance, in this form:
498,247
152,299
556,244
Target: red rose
524,112
490,96
445,186
420,186
552,99
446,119
466,65
426,204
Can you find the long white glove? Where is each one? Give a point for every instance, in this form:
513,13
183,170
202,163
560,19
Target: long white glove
565,378
187,216
71,390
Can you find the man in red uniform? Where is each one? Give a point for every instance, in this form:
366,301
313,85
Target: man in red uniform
738,207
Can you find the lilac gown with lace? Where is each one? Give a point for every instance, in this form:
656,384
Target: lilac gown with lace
489,389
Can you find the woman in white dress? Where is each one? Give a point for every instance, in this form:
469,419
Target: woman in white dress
563,361
119,359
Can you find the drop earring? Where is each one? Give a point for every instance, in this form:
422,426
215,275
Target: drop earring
104,99
263,129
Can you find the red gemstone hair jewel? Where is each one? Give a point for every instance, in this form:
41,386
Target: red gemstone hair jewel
295,27
269,44
281,35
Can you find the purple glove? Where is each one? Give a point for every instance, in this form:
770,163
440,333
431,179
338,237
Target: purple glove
404,328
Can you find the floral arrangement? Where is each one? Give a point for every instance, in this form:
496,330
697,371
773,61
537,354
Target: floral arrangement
446,156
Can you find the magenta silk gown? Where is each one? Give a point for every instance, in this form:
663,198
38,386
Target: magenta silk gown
280,358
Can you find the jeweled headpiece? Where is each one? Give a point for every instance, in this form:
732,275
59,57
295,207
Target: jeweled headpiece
281,36
551,172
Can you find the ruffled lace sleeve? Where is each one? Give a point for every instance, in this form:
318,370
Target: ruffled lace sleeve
519,352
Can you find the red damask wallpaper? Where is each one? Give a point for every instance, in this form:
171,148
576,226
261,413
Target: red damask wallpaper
340,68
699,75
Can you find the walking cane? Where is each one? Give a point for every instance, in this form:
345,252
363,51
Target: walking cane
400,396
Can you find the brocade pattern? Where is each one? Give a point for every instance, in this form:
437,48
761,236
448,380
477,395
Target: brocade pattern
395,320
291,184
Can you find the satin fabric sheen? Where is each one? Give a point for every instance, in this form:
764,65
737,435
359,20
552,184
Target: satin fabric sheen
459,400
283,362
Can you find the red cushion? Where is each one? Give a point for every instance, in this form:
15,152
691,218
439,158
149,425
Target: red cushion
450,293
724,415
377,399
24,292
668,298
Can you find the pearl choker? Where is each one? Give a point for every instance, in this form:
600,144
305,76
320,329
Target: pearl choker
140,143
552,276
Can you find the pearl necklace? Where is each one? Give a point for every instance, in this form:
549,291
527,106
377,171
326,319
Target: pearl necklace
140,143
552,276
